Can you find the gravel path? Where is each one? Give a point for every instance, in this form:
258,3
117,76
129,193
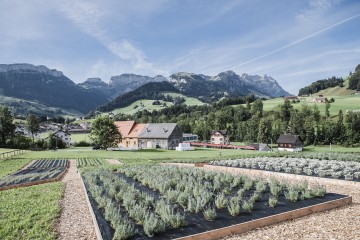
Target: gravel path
342,223
114,161
75,221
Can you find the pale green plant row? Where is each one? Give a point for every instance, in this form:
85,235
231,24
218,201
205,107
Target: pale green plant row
195,190
89,162
321,168
29,177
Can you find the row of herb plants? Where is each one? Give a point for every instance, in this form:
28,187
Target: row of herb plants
89,162
312,167
128,209
175,193
47,169
49,163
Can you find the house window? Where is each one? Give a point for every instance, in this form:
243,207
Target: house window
212,139
221,139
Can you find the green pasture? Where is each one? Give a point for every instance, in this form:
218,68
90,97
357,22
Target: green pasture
78,137
11,165
345,103
3,150
189,101
30,212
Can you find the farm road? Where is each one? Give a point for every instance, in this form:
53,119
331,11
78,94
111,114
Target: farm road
75,221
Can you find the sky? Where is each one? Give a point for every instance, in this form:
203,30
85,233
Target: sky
294,41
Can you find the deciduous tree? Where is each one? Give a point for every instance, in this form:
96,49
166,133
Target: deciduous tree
104,132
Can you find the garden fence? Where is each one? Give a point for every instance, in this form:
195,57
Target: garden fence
12,153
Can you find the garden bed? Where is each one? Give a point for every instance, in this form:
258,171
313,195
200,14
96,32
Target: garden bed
38,172
342,170
126,201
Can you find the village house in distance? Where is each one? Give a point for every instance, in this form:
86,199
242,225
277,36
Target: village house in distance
150,135
290,143
219,137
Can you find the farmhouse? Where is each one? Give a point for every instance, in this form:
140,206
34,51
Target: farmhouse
129,131
290,98
160,135
64,136
219,137
319,100
291,143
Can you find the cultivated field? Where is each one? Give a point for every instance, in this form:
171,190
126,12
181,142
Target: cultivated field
43,216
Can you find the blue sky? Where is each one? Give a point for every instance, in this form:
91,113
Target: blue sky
294,41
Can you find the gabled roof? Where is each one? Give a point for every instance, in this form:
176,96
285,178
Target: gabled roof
136,130
124,127
288,139
157,130
223,132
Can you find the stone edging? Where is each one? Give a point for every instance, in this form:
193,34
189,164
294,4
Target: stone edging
92,214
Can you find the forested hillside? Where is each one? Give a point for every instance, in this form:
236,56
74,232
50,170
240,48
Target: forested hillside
250,123
321,85
150,91
354,79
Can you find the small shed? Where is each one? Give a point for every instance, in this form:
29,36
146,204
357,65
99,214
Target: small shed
262,147
291,143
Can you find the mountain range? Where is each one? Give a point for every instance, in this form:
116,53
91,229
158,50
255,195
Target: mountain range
52,88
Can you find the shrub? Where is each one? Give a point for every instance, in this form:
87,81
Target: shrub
248,206
292,194
210,214
273,201
153,224
234,206
124,230
221,201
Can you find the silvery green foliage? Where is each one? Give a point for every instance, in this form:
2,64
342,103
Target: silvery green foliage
307,166
210,214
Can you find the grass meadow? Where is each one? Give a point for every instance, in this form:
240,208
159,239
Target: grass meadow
345,103
30,212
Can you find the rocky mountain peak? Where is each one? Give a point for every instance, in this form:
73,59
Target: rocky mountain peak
26,67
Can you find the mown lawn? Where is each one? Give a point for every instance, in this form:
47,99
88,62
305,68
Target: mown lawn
30,212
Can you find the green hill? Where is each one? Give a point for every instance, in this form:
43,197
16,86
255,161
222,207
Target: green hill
343,102
147,104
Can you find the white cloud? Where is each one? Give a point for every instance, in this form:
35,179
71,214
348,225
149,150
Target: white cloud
90,18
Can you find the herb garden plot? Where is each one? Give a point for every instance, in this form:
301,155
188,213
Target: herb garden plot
311,167
40,171
89,162
166,202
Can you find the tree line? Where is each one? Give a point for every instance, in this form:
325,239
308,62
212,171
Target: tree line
250,123
321,85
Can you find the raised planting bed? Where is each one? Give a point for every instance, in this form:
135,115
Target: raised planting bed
89,162
38,172
169,202
311,167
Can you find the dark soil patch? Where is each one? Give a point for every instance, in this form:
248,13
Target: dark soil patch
196,223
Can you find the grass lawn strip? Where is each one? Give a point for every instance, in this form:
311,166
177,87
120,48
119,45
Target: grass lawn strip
31,212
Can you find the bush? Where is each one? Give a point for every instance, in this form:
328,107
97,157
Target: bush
210,214
82,144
